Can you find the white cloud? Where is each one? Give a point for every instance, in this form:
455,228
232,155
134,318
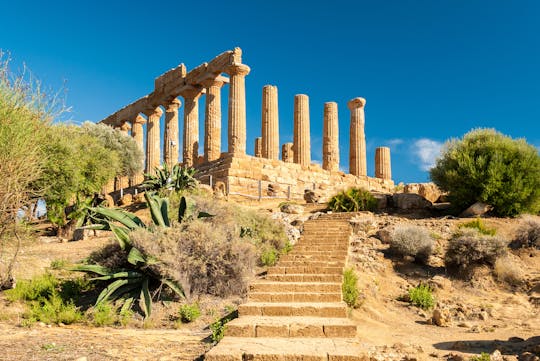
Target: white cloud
427,151
394,142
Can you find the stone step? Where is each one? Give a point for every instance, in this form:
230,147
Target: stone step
286,349
253,326
293,297
337,253
305,277
279,287
304,270
301,257
320,248
310,263
314,309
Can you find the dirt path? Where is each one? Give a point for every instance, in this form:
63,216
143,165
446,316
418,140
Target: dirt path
96,344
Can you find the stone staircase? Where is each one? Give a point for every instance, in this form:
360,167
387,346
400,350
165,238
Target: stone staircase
297,312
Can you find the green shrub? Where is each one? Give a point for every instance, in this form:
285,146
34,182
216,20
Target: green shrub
54,310
479,226
409,240
353,200
189,312
490,167
218,329
104,314
43,286
469,247
422,296
484,356
349,287
528,234
269,257
58,264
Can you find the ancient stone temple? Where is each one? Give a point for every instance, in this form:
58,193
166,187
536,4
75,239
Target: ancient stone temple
229,165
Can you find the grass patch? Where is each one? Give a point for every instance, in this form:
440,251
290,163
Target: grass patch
189,312
104,314
350,288
422,296
484,356
479,225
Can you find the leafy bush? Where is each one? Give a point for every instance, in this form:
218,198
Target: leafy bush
104,314
469,247
218,329
479,226
48,300
349,287
353,200
490,167
409,240
422,296
189,312
528,234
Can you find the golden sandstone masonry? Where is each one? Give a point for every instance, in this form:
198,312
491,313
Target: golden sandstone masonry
230,164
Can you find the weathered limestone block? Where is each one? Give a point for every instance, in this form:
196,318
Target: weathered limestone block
153,156
310,196
410,201
357,151
287,153
258,147
330,137
170,142
301,148
427,190
476,210
237,108
383,167
270,122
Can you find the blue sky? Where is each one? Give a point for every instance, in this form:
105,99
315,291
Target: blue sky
429,69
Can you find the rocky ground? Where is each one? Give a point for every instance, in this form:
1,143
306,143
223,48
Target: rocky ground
481,314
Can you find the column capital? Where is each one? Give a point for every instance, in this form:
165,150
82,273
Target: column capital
356,103
173,105
125,127
192,92
238,69
157,111
139,119
207,83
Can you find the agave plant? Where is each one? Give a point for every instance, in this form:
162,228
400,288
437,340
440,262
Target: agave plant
177,178
135,280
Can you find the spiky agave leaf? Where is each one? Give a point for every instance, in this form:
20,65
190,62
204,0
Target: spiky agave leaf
146,298
128,219
159,209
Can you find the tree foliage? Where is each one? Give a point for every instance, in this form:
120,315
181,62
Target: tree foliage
490,167
131,155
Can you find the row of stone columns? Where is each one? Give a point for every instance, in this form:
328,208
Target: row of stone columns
299,151
212,128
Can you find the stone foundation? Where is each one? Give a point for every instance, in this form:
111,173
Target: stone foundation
251,177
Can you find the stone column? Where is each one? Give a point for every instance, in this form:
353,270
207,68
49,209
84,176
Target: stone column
357,151
237,108
153,156
287,154
270,123
330,137
191,127
123,182
137,134
383,168
170,142
212,120
258,147
302,146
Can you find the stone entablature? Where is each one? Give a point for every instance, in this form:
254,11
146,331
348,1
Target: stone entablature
294,170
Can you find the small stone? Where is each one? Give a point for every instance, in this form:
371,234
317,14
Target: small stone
440,317
464,324
483,315
496,356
